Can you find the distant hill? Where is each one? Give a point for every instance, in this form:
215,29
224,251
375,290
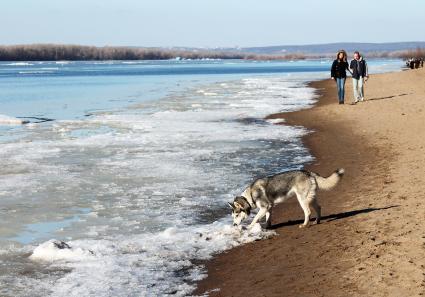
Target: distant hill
377,50
319,49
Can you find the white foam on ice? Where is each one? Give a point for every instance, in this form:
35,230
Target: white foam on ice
19,64
35,72
148,264
8,120
156,179
49,251
276,121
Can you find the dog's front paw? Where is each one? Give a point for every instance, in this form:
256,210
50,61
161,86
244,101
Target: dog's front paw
302,226
255,228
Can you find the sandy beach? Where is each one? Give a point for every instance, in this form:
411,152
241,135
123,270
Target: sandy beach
371,241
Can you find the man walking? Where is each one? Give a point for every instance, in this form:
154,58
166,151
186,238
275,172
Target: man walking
358,67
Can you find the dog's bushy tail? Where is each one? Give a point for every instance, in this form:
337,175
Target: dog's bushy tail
328,183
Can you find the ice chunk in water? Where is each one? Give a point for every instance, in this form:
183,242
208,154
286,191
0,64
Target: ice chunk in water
7,120
54,250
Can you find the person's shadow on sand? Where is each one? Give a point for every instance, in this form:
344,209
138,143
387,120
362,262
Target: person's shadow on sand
388,97
333,217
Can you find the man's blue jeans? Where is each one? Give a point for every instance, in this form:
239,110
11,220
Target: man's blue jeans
340,83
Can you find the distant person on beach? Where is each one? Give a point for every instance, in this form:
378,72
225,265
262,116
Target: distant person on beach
338,73
360,74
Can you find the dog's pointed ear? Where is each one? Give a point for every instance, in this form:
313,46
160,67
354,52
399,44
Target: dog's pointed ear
237,205
231,205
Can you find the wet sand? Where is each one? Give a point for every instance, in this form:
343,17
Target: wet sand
371,241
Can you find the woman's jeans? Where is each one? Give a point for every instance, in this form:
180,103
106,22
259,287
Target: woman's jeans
340,83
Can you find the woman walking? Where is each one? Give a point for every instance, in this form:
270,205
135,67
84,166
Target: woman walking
338,73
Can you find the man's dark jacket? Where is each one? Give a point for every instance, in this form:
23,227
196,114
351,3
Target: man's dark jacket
359,68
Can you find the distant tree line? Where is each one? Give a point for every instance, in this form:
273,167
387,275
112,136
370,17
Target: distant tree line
418,53
57,52
54,52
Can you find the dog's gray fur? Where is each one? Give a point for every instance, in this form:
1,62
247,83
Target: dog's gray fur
264,193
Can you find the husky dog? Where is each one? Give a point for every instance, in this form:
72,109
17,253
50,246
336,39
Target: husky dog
266,192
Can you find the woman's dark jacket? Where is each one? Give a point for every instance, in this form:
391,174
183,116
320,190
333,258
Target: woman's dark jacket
338,69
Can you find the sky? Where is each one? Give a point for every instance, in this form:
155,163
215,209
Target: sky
210,23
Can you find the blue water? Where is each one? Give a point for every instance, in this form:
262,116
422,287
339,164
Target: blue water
75,89
136,166
42,230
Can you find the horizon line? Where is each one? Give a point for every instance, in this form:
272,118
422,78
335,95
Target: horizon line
212,47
